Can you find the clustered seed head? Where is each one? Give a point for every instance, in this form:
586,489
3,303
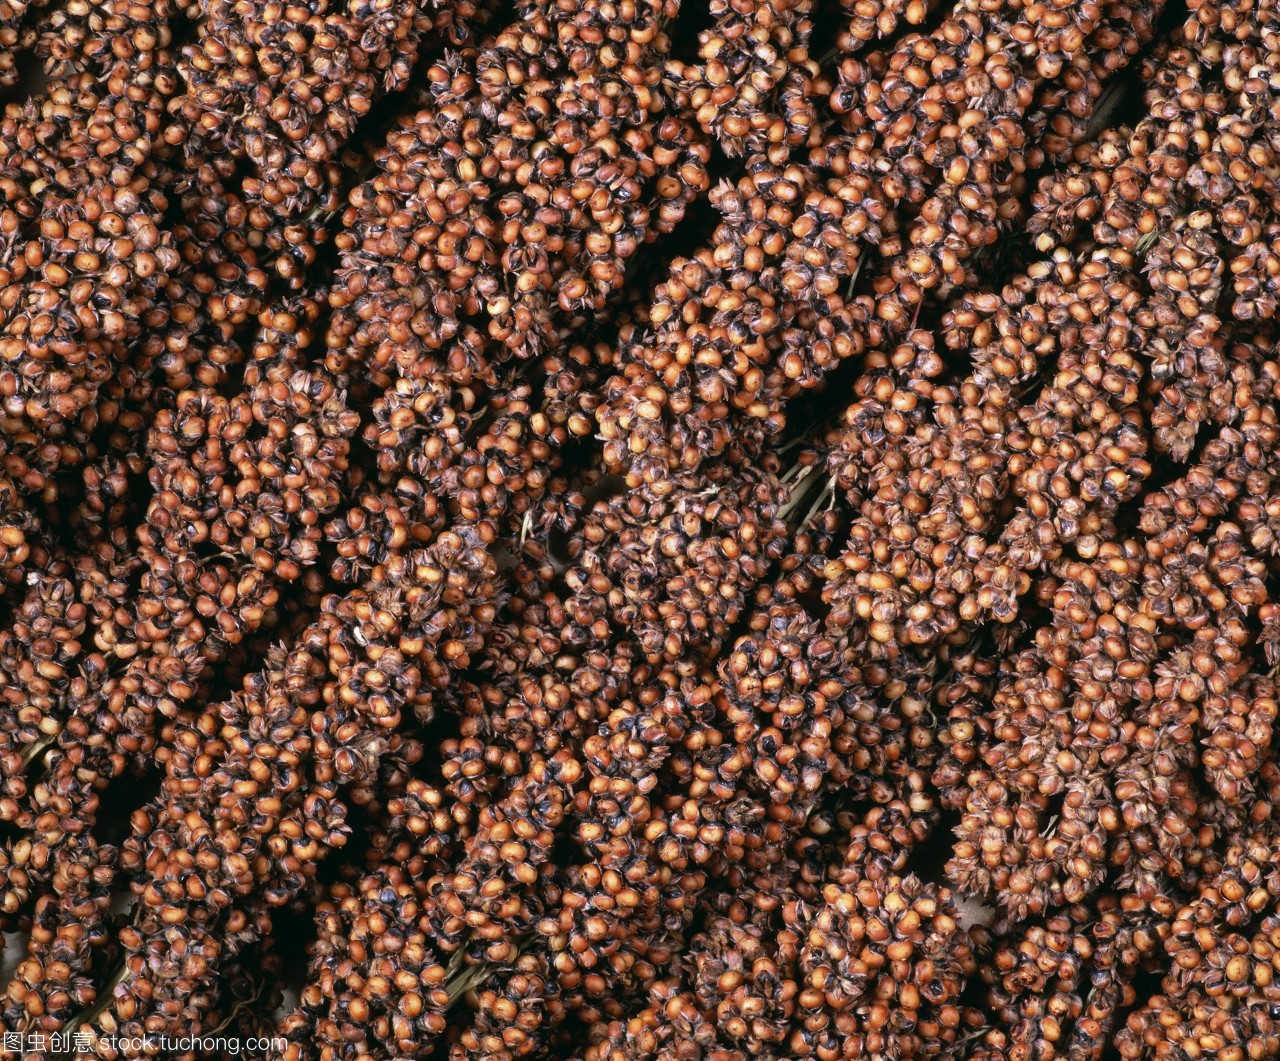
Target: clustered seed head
754,87
611,530
675,566
878,964
375,977
740,326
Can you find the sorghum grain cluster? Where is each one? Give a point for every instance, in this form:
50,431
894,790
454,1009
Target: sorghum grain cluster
614,529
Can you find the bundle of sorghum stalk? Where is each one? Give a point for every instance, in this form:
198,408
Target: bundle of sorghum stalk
599,530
